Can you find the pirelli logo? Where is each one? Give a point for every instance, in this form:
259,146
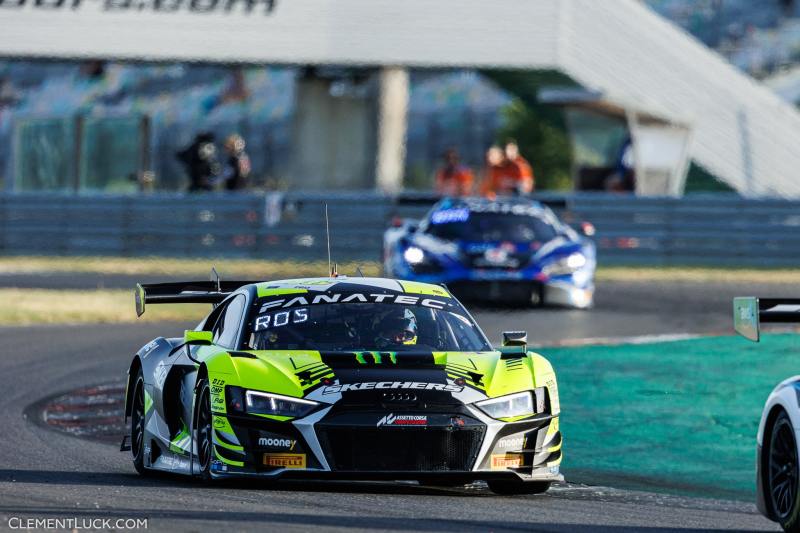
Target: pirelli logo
285,460
506,460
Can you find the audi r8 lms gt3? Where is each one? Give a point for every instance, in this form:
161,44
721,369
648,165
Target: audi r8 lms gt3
777,469
513,250
343,377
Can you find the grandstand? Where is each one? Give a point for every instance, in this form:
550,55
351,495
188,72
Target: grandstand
459,109
652,72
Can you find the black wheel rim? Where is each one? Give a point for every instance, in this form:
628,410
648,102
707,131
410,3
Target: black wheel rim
204,430
783,468
137,421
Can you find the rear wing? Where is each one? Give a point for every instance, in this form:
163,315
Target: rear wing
186,292
750,312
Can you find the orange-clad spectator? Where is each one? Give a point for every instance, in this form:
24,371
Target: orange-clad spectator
503,176
454,179
527,180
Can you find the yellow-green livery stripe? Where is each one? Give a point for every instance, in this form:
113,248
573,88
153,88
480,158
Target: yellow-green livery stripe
415,287
264,289
227,461
148,401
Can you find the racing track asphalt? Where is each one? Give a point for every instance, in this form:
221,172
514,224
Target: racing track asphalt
48,474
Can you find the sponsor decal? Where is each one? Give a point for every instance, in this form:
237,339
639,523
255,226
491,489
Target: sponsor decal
217,394
265,7
503,461
285,460
147,348
506,208
512,442
457,421
372,385
448,216
277,442
496,255
219,422
403,420
355,297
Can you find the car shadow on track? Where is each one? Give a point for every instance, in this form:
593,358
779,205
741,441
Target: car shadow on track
164,479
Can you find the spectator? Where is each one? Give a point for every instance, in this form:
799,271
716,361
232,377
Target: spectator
503,176
200,160
623,178
237,165
527,180
454,179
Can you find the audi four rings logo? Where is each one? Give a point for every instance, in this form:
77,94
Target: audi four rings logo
403,420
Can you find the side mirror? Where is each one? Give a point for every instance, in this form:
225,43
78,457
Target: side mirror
515,338
745,317
197,338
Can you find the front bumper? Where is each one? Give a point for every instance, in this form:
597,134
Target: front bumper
452,447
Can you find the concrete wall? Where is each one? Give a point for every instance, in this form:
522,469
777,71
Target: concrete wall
333,139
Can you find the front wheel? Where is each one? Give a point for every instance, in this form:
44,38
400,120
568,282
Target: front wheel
782,474
137,424
202,429
510,488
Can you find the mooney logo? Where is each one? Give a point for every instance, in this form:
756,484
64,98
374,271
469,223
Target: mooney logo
403,420
511,442
277,443
371,385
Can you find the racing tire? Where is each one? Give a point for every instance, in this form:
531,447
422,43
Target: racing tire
782,474
511,488
137,425
202,429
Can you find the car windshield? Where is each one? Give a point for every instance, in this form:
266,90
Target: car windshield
492,227
365,327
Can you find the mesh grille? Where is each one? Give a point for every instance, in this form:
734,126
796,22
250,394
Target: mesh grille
400,449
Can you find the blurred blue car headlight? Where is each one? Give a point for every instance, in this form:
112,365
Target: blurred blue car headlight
420,261
565,265
414,255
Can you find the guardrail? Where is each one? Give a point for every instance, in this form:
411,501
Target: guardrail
715,230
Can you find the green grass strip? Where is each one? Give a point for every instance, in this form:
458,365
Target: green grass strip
674,416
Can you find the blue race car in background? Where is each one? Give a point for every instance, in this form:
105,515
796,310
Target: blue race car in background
513,250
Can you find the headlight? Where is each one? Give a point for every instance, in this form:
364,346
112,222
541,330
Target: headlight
565,265
526,403
262,403
414,255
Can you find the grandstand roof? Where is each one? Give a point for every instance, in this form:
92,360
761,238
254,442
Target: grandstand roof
743,133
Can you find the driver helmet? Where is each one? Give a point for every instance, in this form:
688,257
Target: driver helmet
397,328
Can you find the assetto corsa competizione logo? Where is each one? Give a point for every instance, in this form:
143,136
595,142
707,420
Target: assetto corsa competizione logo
403,420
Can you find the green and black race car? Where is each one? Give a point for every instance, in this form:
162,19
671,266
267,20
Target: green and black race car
353,378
